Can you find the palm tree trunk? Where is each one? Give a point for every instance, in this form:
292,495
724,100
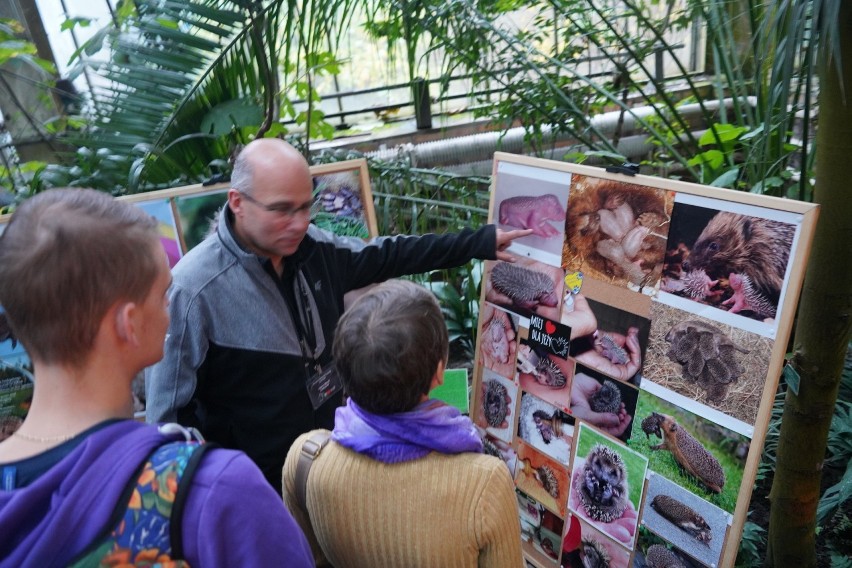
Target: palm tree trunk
824,325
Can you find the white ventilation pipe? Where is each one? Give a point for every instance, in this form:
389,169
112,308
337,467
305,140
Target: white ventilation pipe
474,154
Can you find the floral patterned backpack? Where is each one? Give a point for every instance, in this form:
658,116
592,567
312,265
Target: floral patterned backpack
145,529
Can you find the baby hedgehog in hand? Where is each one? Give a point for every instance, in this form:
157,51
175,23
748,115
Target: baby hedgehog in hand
603,485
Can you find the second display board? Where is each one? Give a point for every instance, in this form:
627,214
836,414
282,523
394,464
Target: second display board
626,362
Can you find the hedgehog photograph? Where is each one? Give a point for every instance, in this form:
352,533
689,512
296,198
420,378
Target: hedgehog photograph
603,485
719,365
606,484
544,375
525,287
531,202
542,478
586,547
617,232
707,356
703,457
617,347
731,261
545,427
498,340
688,452
658,556
602,402
495,406
692,524
683,516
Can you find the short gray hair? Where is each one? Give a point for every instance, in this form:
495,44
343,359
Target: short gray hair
242,173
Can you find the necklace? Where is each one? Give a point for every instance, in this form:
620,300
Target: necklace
45,439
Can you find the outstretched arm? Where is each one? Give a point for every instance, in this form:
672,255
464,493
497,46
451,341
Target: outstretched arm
504,240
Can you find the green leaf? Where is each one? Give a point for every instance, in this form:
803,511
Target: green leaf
71,23
725,133
234,113
727,179
710,158
575,157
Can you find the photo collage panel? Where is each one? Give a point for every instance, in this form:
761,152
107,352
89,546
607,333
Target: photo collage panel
623,357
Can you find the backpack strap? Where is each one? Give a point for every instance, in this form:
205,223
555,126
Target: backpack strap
147,521
309,452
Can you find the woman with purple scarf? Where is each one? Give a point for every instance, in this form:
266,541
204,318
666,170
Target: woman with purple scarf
403,481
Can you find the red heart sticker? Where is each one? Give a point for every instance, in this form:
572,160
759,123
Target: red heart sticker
550,328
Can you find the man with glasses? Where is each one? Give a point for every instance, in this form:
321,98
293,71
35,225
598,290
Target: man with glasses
254,308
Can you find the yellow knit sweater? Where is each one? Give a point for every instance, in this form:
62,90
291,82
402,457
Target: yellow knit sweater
439,511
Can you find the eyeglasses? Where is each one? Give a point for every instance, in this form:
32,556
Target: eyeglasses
282,210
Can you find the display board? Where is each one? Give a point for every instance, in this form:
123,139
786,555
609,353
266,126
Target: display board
343,204
627,360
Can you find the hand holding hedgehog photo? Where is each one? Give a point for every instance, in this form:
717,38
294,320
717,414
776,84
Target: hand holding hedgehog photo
497,341
612,353
598,408
524,286
599,493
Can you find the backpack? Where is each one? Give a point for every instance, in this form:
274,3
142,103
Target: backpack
141,532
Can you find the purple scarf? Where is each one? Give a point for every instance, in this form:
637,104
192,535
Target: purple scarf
432,426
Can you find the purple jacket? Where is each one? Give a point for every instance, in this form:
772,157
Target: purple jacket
232,516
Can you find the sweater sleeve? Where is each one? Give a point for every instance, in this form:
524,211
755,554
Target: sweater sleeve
498,526
397,256
233,517
170,384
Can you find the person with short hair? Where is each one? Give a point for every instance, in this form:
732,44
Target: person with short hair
254,308
83,287
403,480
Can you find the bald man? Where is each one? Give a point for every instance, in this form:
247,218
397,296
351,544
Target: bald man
254,309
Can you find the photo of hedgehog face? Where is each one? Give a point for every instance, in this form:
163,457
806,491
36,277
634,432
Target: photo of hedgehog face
602,491
731,261
616,232
603,485
720,365
525,287
495,404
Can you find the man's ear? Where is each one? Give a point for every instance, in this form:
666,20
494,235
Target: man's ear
125,326
235,200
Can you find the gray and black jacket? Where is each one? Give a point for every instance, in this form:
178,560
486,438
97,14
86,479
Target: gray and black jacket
233,364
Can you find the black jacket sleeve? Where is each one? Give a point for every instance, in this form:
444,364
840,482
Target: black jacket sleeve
398,256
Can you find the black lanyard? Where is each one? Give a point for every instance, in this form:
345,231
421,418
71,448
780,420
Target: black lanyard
301,313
